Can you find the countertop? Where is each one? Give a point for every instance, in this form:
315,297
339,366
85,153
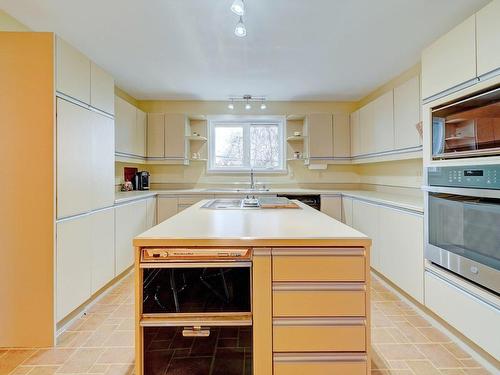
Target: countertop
304,226
408,202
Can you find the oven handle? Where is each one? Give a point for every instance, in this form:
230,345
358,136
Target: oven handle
195,264
481,193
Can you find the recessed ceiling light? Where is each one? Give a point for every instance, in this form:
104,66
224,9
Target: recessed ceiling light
263,106
231,105
248,106
238,7
240,29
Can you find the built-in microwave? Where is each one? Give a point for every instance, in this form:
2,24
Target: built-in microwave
467,127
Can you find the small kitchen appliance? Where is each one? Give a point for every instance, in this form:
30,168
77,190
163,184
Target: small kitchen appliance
463,221
141,180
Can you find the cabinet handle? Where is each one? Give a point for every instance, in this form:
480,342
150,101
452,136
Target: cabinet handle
195,332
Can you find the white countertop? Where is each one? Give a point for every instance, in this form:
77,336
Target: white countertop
409,202
198,226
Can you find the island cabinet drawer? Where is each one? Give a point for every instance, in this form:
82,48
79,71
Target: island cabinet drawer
319,265
319,335
319,364
318,299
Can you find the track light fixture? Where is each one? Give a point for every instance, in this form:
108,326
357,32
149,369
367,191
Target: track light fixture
247,100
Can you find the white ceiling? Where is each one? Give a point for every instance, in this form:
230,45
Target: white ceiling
294,50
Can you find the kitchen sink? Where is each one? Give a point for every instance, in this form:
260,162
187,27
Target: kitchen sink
238,190
230,204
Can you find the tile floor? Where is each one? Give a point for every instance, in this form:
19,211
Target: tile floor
102,342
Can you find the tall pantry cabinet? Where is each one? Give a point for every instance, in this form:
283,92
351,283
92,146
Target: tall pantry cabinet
59,141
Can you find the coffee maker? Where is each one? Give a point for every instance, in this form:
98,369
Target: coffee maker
141,180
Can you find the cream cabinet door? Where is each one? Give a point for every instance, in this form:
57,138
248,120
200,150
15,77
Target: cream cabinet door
167,207
73,264
125,126
347,210
102,89
488,38
140,133
365,218
450,60
367,129
175,136
407,114
102,226
130,221
332,206
383,115
465,312
355,134
74,147
72,72
401,250
320,133
151,212
156,135
341,136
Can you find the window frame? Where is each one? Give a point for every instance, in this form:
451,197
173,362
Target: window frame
246,122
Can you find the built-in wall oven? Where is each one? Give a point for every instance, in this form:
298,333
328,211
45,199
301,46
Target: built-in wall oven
463,222
468,127
196,313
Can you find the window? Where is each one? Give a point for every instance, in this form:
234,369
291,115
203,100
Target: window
241,144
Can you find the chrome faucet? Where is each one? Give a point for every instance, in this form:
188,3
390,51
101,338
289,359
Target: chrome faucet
252,182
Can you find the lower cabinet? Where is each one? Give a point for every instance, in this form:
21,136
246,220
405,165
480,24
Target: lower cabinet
365,219
332,206
397,243
131,219
347,210
102,225
471,316
320,364
151,212
166,207
73,264
402,250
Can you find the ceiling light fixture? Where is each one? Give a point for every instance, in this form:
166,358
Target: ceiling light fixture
238,7
240,29
247,100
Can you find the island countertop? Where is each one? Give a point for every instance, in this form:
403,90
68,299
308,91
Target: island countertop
304,226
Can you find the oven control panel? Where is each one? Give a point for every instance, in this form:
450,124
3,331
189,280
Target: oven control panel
166,254
469,176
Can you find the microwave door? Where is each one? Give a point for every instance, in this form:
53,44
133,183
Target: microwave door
438,136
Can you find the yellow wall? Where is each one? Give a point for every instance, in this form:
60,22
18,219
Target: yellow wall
401,173
9,23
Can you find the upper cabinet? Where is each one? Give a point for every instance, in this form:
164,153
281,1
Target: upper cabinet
451,60
488,38
341,136
102,89
156,135
72,72
130,129
83,80
319,130
387,126
176,126
464,55
407,114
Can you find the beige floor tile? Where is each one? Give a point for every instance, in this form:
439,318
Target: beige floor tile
418,321
81,361
98,369
423,367
53,356
21,370
388,308
439,356
411,333
127,324
44,370
399,351
121,338
124,311
381,335
117,356
398,335
434,335
398,365
470,363
477,371
13,358
457,351
120,370
451,371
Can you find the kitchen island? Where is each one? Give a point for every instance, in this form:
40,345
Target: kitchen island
306,276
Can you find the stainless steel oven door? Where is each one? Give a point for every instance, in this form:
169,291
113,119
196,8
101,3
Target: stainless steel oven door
463,233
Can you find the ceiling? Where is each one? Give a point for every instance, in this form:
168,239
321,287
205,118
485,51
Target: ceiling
295,49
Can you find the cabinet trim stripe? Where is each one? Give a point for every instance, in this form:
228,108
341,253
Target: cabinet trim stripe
319,321
320,357
314,286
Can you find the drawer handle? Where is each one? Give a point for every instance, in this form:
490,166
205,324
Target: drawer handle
196,332
289,322
323,357
314,286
